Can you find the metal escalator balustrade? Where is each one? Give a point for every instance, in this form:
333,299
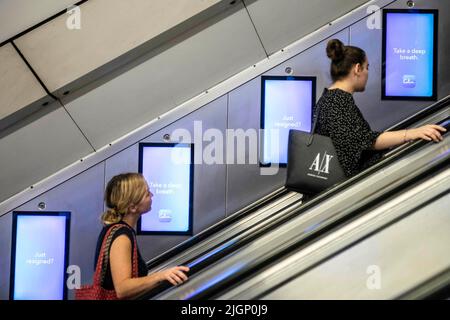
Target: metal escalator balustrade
281,274
440,112
405,252
190,254
257,205
432,114
317,218
440,107
227,241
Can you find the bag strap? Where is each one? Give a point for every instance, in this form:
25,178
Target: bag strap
99,269
103,260
316,117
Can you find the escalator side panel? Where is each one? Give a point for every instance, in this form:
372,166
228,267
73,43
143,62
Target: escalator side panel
384,265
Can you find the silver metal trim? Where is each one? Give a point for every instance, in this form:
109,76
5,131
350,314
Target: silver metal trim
237,213
324,248
428,288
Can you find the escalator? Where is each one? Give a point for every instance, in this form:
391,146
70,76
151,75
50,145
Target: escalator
212,249
396,250
315,223
273,204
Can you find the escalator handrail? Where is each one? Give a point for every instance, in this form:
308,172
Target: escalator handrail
239,243
261,202
216,227
314,233
328,247
412,146
442,103
278,192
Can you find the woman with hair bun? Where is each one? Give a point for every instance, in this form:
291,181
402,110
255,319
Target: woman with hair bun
128,197
357,146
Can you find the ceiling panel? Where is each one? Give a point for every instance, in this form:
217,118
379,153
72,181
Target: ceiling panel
105,34
282,22
153,87
19,89
18,15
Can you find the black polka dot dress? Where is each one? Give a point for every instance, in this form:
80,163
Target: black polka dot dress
342,121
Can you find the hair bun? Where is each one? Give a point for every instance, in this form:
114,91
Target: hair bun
335,50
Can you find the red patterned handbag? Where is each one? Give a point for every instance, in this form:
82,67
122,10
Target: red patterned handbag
96,291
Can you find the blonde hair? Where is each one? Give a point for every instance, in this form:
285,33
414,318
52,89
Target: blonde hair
123,191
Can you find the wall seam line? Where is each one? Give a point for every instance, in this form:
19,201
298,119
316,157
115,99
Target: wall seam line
254,27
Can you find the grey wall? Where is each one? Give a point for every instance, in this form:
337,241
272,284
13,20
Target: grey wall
219,189
294,17
82,196
50,134
209,180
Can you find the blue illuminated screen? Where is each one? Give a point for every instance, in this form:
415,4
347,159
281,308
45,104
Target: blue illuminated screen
39,257
409,54
168,171
287,103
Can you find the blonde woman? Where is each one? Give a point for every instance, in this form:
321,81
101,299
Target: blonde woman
128,197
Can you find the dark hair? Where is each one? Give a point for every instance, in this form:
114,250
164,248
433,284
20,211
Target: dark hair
343,58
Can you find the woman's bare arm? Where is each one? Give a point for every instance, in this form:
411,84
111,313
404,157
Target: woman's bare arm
127,287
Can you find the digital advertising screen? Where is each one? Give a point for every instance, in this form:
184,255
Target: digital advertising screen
169,171
409,54
286,103
39,255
